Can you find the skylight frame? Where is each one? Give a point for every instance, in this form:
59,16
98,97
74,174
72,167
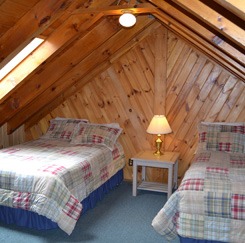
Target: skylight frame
16,60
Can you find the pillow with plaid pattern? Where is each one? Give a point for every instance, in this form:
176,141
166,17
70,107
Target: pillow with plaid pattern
226,137
62,128
102,134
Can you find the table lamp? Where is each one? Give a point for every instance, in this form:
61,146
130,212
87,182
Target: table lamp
159,125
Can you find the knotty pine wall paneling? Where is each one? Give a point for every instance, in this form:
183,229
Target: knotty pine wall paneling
197,89
16,137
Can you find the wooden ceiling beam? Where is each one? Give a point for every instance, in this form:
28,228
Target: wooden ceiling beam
44,78
236,7
209,50
202,37
141,8
74,26
29,26
47,87
66,71
215,20
36,21
56,42
197,29
81,73
45,110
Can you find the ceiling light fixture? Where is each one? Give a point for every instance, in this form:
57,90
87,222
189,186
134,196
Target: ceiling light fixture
127,19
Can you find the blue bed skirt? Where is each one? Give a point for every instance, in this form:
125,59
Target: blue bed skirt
33,220
189,240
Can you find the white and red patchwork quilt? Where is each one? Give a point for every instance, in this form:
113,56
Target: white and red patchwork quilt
210,202
52,177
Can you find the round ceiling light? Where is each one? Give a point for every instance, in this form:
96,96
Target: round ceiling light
127,19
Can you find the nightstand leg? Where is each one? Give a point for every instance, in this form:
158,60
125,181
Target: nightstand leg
170,181
143,173
135,178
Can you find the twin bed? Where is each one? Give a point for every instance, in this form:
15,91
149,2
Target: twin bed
49,182
209,205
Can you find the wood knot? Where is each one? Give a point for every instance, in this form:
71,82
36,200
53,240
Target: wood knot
63,5
101,104
44,20
135,91
75,27
15,103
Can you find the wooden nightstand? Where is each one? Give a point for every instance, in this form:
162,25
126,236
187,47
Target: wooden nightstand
168,160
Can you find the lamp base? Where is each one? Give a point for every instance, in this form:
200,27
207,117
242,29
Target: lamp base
158,153
158,146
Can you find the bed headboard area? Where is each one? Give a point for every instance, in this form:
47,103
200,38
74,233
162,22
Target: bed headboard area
226,137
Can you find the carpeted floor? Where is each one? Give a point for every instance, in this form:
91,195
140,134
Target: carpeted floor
118,218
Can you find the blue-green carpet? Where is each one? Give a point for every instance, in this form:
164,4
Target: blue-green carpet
118,218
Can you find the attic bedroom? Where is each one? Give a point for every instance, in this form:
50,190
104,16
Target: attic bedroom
180,59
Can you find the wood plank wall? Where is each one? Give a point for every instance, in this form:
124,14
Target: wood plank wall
197,89
15,138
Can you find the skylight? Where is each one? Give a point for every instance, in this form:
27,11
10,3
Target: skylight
20,57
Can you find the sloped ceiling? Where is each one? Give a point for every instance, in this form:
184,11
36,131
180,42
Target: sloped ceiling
86,38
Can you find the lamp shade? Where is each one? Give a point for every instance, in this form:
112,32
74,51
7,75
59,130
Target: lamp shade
127,19
159,125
